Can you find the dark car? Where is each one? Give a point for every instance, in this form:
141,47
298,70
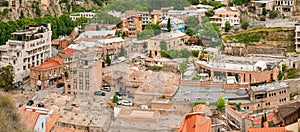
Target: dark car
30,102
121,93
40,105
59,85
99,93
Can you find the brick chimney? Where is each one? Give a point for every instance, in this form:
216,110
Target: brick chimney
266,125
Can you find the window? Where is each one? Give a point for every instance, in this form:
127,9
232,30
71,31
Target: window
80,74
80,81
80,87
74,81
24,67
87,87
75,86
87,82
87,74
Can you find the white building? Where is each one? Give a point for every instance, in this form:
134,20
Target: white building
297,37
224,14
26,48
82,14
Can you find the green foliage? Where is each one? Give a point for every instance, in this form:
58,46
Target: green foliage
183,53
183,66
284,68
189,32
164,53
37,10
78,9
107,60
273,14
122,51
230,4
145,5
102,17
221,103
163,45
156,68
192,21
149,31
5,3
240,2
169,25
213,3
195,53
196,77
227,26
209,13
245,25
264,11
292,73
115,99
194,2
280,75
98,2
292,95
210,32
98,28
7,78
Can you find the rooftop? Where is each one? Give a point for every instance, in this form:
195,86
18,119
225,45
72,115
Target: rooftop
65,129
195,122
168,35
96,34
28,118
48,64
270,86
51,121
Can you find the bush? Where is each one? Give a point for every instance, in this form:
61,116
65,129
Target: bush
195,53
227,26
280,75
156,68
273,14
245,25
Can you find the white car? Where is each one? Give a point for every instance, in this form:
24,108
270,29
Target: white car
125,103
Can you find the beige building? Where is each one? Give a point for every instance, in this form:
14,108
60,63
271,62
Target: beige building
27,48
297,37
285,7
82,14
224,14
175,40
86,76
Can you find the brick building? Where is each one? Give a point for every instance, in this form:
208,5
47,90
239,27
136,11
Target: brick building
48,73
131,22
27,48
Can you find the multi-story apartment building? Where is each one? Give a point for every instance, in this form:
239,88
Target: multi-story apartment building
285,7
86,76
224,14
27,48
297,37
176,24
16,4
146,18
131,22
82,14
174,40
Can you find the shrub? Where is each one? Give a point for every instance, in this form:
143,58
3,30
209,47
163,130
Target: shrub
245,25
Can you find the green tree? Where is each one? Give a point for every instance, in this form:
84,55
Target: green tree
115,99
209,13
7,78
163,45
5,3
221,103
192,21
227,26
194,2
280,75
189,32
122,51
264,11
195,53
273,14
183,67
107,60
37,10
169,25
244,24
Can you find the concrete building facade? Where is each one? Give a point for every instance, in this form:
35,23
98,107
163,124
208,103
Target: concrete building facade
82,14
224,14
297,37
27,48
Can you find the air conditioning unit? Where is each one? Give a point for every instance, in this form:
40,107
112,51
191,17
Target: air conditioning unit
85,67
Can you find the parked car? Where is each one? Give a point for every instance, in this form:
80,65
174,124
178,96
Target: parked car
60,84
121,93
30,102
144,51
99,93
125,103
106,87
40,105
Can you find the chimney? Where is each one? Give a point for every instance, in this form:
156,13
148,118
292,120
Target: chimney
266,125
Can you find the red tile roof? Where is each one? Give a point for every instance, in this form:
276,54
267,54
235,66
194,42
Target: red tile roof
269,118
67,51
48,64
28,118
51,121
195,122
268,129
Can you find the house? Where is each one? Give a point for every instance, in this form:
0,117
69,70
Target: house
89,15
175,40
49,73
289,113
38,119
259,5
286,7
27,48
176,24
224,14
131,22
195,122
